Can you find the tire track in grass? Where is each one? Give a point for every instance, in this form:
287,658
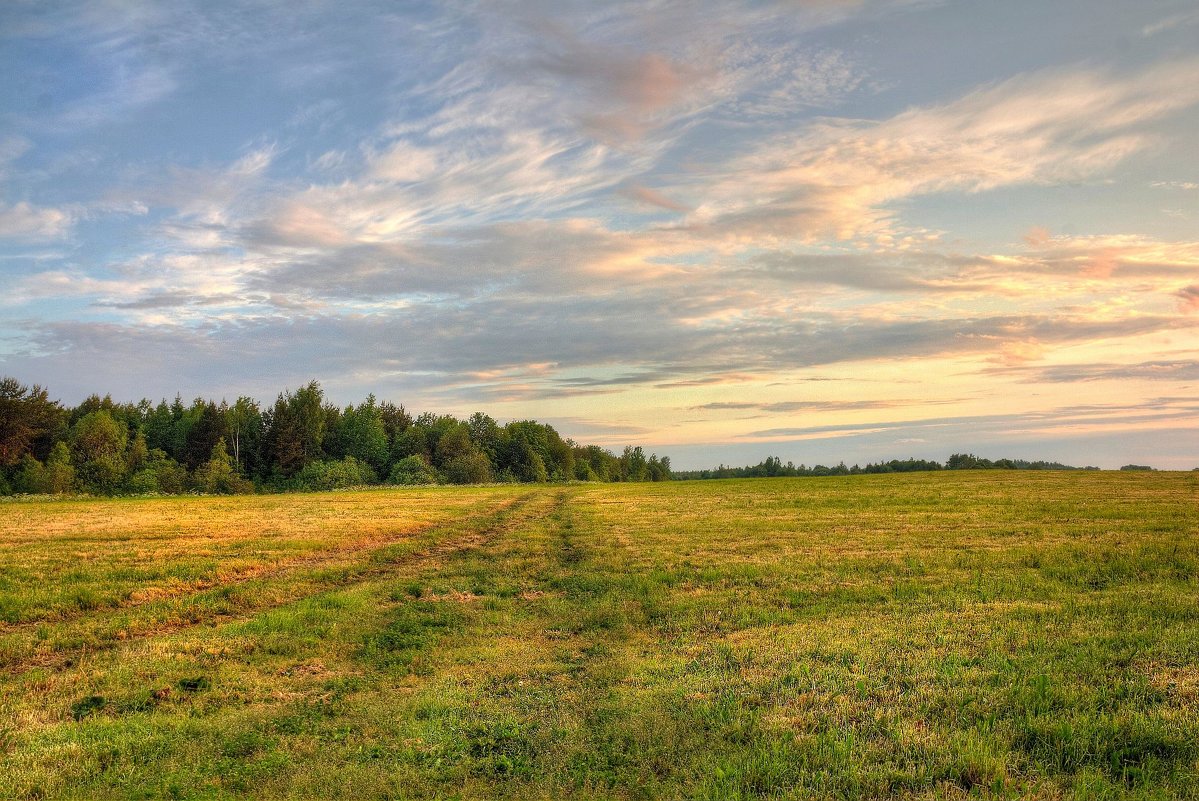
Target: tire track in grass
339,573
419,620
342,553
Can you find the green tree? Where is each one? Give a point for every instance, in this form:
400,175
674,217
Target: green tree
413,441
346,472
244,422
487,435
208,428
599,463
559,457
412,470
526,452
159,473
98,444
295,429
363,434
30,477
28,421
659,469
217,476
395,422
137,453
159,426
454,443
470,468
59,476
633,465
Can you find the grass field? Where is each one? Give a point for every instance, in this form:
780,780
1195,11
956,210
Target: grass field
941,635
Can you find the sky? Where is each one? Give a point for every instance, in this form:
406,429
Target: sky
824,230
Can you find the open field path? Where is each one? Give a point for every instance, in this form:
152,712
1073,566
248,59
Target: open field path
336,555
236,595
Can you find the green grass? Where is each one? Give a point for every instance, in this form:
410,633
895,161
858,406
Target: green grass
952,635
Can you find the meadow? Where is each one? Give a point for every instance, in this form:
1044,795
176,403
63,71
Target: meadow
995,634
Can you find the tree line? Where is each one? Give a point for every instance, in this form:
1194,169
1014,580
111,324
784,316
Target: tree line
300,442
772,467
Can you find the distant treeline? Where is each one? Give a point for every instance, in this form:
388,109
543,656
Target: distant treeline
300,442
772,466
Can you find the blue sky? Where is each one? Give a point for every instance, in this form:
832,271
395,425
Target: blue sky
820,229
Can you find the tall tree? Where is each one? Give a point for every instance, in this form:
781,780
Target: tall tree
244,421
209,428
363,435
395,421
633,465
28,421
487,435
98,443
296,429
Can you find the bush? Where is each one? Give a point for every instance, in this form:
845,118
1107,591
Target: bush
160,473
412,470
143,482
30,476
472,468
349,472
217,476
59,475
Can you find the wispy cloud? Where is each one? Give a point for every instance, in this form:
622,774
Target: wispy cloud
838,178
24,221
1079,419
1180,20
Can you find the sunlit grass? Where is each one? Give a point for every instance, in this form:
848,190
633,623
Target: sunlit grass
921,636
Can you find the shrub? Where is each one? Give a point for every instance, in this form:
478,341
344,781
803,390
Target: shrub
349,472
30,476
59,475
472,468
412,470
143,482
217,476
55,477
159,473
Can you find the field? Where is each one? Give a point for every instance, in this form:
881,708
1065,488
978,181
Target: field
941,635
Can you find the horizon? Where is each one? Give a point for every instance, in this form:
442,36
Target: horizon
616,446
824,231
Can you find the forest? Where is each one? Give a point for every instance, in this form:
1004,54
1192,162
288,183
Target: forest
300,442
773,467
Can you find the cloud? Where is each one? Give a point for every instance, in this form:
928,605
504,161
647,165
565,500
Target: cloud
438,345
839,178
1189,296
788,407
12,147
28,222
1171,22
130,88
1159,370
592,429
925,272
643,74
172,299
650,197
781,80
1057,420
